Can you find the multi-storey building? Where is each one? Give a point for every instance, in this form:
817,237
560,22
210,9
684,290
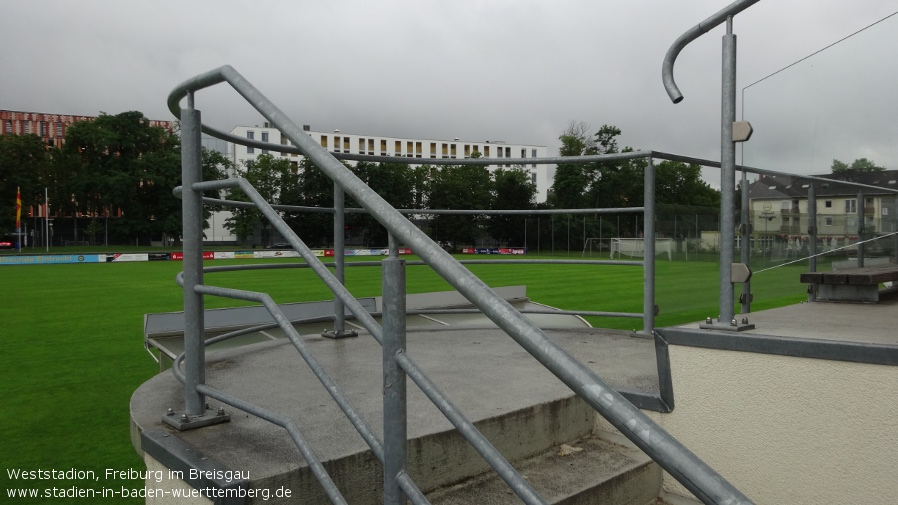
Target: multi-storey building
418,151
51,128
779,205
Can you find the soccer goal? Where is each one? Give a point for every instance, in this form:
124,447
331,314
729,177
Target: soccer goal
633,247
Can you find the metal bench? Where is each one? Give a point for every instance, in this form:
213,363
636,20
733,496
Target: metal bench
860,285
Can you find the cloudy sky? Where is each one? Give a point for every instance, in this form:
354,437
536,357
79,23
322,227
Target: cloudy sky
518,71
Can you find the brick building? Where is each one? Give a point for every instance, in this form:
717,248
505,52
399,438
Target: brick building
50,127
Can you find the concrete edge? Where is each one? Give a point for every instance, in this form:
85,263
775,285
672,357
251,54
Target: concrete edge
195,469
834,350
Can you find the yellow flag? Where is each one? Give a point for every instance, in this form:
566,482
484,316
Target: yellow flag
18,208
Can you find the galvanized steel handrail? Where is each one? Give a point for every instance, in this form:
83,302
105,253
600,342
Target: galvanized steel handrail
682,464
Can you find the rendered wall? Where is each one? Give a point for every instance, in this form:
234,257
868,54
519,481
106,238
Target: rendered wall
787,430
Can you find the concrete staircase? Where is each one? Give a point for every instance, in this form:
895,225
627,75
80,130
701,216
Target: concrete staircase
589,470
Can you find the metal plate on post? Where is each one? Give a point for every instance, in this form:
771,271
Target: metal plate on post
742,131
740,272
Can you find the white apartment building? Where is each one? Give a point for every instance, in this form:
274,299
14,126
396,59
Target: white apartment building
417,150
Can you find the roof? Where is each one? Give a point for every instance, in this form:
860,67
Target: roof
794,186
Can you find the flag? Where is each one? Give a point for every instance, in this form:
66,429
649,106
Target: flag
18,208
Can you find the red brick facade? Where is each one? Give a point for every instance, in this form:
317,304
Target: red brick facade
50,127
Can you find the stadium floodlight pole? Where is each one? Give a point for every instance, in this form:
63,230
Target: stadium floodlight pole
727,145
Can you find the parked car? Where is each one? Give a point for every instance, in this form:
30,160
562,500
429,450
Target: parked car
279,245
6,243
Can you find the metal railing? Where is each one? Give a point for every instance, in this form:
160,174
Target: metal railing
672,456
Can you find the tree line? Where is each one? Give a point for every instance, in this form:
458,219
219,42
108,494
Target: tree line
120,166
116,166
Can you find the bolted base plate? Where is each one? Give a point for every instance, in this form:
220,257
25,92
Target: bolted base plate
339,334
179,422
722,326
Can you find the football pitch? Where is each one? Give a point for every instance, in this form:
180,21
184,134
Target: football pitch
71,341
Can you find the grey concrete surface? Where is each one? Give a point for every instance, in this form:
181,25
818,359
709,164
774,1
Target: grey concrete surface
852,322
481,370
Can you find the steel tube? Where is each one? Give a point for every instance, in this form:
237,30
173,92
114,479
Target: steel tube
688,469
746,244
859,212
812,238
727,176
466,428
648,232
192,209
314,365
395,408
339,252
295,433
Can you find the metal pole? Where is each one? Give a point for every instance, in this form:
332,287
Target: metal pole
395,408
648,272
339,253
812,238
192,207
860,229
47,219
727,174
746,245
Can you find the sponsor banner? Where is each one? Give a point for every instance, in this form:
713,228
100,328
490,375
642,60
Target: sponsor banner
276,254
179,256
494,250
329,253
47,259
158,256
121,257
243,255
318,252
374,252
225,255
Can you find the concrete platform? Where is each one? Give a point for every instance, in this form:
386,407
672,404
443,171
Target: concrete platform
850,322
482,371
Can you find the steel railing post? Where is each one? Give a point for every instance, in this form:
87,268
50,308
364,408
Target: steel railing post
746,234
727,175
339,330
648,275
860,229
393,377
812,238
192,208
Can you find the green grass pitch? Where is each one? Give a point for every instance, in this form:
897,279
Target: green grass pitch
72,353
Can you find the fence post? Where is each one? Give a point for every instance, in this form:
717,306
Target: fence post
860,229
648,247
393,285
812,239
339,330
192,208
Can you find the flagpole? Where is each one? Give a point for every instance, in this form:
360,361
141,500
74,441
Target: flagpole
46,219
19,219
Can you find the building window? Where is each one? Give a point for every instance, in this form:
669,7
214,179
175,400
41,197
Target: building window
8,126
850,222
850,206
58,130
43,128
324,141
828,204
250,135
533,177
827,221
264,139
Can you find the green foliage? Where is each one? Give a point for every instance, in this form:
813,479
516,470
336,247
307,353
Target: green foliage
858,165
397,183
312,189
458,187
24,165
512,190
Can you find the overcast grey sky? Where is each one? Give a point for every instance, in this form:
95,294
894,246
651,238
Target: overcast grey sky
518,71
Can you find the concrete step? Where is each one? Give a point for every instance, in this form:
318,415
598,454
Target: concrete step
586,471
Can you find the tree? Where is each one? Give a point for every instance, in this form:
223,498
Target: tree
458,187
274,180
311,188
857,166
571,179
395,183
24,162
512,190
